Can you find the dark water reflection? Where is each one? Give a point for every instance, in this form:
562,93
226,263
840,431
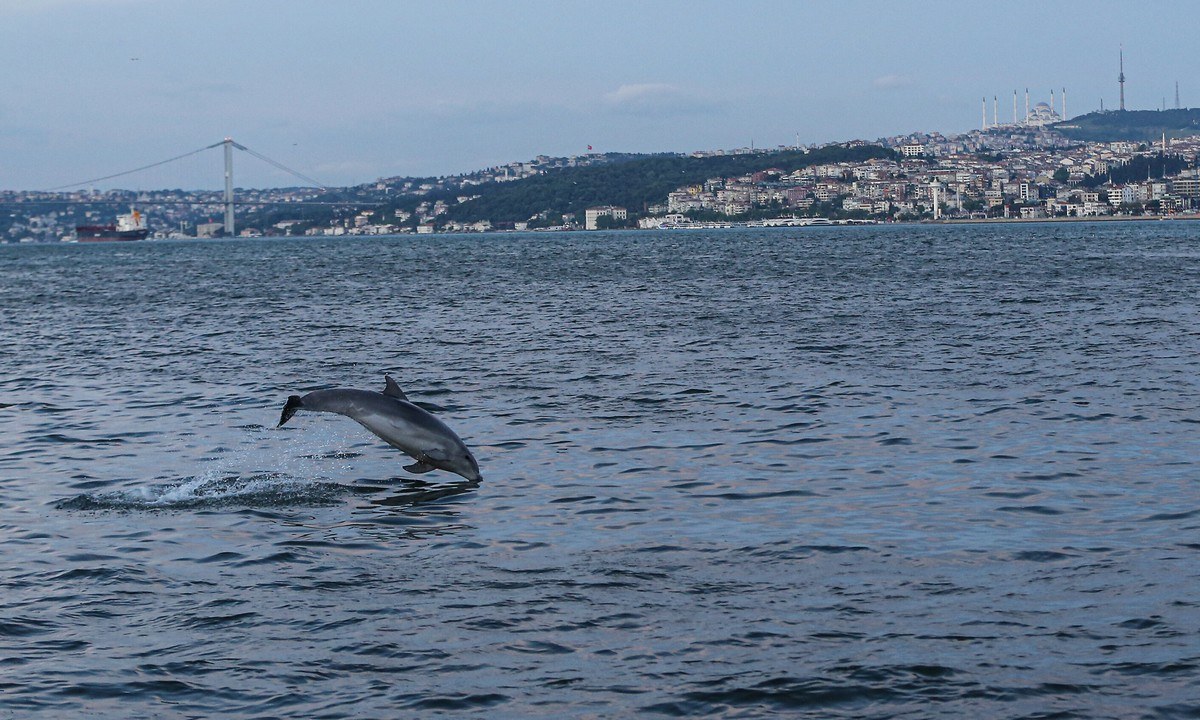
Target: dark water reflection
868,472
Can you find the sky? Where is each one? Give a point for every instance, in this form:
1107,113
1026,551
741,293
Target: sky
354,90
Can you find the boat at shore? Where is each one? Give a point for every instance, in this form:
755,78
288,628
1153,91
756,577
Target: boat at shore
129,227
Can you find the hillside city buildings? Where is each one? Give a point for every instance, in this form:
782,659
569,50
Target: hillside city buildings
1016,170
1006,172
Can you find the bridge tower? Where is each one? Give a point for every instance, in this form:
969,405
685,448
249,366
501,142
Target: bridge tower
229,229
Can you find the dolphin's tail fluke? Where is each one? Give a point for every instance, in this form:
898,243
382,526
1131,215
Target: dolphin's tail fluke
293,404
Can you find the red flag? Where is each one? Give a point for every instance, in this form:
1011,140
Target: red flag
589,147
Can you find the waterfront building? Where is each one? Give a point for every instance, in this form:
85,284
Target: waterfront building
592,215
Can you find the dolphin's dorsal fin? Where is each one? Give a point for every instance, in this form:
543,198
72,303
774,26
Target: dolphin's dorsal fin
392,389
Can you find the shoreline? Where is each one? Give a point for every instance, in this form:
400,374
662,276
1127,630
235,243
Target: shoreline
1087,218
732,226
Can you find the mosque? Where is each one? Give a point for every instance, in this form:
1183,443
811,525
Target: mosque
1041,115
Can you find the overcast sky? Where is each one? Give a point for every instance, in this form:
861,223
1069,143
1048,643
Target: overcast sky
349,91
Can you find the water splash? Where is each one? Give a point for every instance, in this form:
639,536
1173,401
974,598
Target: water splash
226,481
267,489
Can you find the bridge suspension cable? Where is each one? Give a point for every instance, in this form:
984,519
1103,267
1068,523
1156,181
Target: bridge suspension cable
130,172
281,166
235,144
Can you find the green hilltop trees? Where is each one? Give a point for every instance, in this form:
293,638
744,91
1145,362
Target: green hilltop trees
1132,125
635,184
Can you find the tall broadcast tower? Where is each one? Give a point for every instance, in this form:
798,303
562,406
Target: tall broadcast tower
1121,78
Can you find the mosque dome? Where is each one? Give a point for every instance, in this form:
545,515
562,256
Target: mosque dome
1043,114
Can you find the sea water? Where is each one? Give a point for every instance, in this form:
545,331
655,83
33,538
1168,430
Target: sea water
864,472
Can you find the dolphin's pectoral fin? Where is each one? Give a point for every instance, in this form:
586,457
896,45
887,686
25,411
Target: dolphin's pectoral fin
425,461
392,389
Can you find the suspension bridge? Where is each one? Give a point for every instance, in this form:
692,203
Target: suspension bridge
228,145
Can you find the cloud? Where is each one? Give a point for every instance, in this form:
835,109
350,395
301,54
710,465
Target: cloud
886,82
641,92
654,99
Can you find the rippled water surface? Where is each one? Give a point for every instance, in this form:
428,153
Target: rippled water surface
861,472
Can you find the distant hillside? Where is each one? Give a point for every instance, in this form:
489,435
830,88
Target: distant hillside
634,184
631,181
1132,125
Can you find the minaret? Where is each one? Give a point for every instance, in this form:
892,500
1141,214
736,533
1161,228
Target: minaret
995,110
1026,105
985,113
1064,104
1051,102
1121,77
1014,107
1176,94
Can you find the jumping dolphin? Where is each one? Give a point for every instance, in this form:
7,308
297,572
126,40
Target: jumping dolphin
404,426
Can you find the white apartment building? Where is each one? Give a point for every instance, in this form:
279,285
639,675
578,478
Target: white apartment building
593,214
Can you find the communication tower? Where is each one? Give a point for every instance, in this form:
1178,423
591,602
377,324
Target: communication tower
1121,78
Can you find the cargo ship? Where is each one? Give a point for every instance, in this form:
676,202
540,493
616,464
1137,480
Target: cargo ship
128,227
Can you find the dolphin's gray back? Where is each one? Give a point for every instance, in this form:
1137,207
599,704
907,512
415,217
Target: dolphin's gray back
400,424
349,402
